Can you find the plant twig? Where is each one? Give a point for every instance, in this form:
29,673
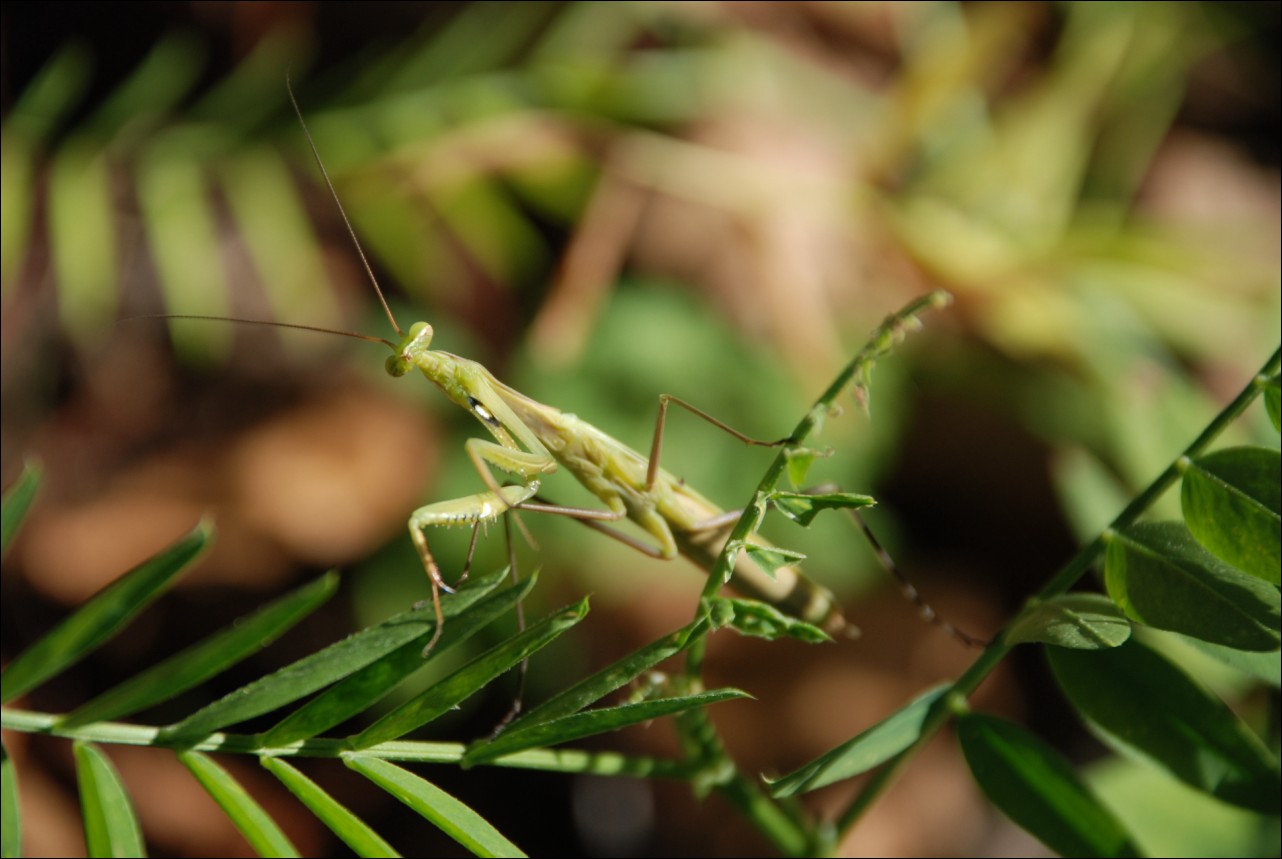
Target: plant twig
954,700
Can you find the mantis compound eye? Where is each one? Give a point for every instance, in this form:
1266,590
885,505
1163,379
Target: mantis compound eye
397,365
420,335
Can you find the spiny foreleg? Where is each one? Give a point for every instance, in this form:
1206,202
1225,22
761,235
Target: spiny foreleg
474,510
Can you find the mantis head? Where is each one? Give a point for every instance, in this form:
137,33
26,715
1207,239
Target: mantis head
417,341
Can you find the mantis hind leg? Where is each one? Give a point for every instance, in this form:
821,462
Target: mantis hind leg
909,590
906,587
473,510
656,446
485,453
651,522
523,672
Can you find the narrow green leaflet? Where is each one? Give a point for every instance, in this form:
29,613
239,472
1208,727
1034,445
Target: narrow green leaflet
1079,621
17,501
1163,577
595,687
354,832
1273,400
471,43
324,667
453,817
467,680
358,691
799,461
111,827
592,722
348,697
1232,501
771,558
802,507
1141,704
10,811
254,823
858,755
892,331
754,513
1036,788
101,617
210,657
760,620
154,87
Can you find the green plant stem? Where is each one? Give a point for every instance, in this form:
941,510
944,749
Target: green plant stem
880,344
791,833
707,764
569,761
785,827
954,700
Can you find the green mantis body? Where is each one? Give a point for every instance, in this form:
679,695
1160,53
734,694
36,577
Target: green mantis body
533,439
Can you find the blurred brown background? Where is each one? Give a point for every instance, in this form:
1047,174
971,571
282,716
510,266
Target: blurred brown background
603,202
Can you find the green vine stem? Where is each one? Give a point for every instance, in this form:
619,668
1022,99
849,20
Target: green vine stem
955,699
412,751
783,825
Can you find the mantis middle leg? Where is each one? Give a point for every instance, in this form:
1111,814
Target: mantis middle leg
656,446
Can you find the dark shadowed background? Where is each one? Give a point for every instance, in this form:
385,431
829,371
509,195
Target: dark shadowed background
604,202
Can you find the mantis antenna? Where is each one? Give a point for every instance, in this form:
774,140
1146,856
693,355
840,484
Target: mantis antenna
289,87
269,323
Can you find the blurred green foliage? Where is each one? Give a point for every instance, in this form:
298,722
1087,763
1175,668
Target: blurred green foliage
606,201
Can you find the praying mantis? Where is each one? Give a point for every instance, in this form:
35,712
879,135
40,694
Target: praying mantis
532,440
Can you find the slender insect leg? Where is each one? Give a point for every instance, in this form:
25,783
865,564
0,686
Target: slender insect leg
485,454
524,670
651,521
626,539
585,514
784,587
906,587
436,581
717,522
471,550
909,590
656,447
588,517
511,565
523,464
470,510
525,533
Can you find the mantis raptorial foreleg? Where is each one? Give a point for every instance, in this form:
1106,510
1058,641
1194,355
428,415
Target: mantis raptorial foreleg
471,510
522,463
485,453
